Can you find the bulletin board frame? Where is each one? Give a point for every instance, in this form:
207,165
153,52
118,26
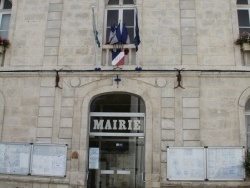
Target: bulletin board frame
49,160
15,158
186,163
225,163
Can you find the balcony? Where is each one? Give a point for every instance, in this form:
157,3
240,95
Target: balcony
130,58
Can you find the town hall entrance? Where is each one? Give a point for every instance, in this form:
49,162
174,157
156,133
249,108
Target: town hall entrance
116,142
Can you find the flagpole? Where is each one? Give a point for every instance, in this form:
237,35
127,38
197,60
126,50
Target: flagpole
137,58
94,31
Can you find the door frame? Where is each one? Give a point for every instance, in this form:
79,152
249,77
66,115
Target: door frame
152,114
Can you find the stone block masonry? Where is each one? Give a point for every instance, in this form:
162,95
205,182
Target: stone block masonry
53,32
188,32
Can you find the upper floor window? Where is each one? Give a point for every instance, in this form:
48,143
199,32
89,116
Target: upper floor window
244,15
5,12
120,14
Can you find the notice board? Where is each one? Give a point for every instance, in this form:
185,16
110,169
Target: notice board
225,163
186,163
15,158
49,160
94,158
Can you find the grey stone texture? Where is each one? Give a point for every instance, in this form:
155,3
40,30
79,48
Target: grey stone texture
195,36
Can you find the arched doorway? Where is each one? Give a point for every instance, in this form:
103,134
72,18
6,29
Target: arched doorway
116,141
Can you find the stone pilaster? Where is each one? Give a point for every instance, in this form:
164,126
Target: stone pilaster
53,32
191,112
46,110
188,32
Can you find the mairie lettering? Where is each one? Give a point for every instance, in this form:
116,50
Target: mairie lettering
117,124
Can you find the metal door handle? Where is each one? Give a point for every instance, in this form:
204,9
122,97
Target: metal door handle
87,175
143,177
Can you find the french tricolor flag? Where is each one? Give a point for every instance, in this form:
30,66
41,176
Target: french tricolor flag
118,58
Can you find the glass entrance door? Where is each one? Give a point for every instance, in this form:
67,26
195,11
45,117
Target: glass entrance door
116,141
116,162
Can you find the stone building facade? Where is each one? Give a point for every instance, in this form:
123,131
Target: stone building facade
185,42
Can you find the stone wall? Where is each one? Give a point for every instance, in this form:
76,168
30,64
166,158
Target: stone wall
187,33
36,111
195,36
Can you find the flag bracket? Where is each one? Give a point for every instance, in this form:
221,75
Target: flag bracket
57,78
138,69
117,80
98,69
179,78
117,68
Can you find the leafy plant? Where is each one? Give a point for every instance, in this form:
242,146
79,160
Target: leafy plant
4,42
247,163
243,38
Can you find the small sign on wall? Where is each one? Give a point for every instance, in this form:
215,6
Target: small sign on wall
93,158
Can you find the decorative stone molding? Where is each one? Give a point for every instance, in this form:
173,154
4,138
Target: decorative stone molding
152,135
245,95
75,82
161,82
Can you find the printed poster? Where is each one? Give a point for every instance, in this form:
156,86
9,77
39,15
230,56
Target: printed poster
93,158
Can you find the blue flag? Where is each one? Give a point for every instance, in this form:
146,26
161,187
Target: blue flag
125,36
137,40
118,33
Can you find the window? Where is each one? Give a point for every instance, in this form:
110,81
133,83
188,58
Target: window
247,111
119,33
244,15
120,12
118,103
5,12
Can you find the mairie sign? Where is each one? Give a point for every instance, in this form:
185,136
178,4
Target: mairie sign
116,124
